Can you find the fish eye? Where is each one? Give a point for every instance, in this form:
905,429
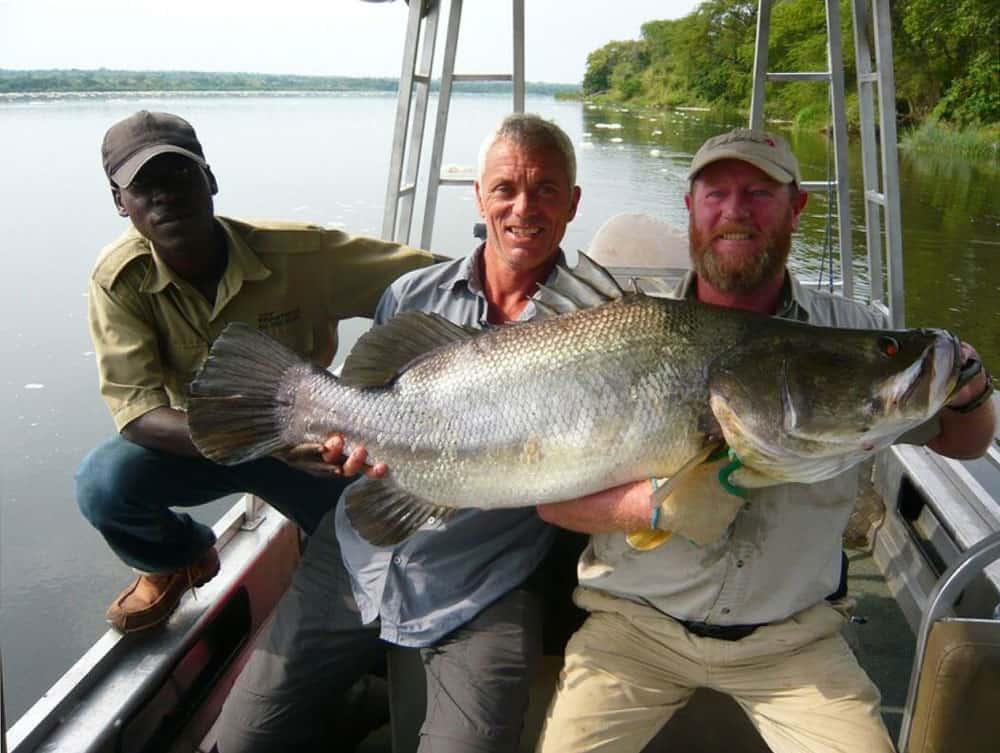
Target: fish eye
888,345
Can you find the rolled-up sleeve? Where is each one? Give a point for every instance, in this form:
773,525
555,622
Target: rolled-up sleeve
364,269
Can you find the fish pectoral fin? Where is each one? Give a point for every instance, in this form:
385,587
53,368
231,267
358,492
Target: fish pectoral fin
694,465
385,515
702,512
384,351
692,502
647,538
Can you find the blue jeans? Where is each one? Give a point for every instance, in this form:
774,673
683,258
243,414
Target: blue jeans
126,492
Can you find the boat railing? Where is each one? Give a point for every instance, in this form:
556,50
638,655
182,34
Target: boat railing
169,684
936,510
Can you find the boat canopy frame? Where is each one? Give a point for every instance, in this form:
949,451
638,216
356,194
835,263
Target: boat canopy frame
879,156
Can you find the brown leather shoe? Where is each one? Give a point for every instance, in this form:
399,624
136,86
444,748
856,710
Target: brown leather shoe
151,599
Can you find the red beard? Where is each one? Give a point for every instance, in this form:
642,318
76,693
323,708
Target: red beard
737,274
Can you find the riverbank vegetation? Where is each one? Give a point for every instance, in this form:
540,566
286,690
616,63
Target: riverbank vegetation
947,65
107,80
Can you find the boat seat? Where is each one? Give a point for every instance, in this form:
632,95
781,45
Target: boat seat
955,685
959,689
639,246
638,239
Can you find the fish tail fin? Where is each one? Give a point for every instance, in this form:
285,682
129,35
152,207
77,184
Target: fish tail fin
244,396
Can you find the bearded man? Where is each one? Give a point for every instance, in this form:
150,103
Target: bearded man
755,613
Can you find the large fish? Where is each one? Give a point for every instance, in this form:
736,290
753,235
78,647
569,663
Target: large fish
607,387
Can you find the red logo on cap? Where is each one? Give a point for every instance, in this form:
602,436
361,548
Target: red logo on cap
770,142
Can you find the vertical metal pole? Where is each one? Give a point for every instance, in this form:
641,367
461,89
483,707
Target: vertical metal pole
890,160
835,59
402,120
869,150
760,63
518,69
3,712
407,200
441,125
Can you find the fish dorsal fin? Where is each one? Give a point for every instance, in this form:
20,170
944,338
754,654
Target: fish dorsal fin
385,515
597,277
585,286
381,353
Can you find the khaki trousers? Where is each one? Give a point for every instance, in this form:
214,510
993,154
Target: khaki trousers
630,668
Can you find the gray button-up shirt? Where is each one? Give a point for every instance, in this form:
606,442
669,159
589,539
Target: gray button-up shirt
447,572
783,551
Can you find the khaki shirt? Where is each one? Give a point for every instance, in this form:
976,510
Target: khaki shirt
295,282
782,554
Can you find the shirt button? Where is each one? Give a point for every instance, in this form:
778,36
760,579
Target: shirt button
739,563
398,560
432,520
725,610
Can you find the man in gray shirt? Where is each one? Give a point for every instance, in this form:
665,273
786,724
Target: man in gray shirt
459,590
746,613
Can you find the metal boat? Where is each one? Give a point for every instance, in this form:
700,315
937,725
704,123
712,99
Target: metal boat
922,545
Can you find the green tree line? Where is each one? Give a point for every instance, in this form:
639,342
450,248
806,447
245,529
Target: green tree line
106,80
947,60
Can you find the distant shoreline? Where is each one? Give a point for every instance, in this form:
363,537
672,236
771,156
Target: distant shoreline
109,82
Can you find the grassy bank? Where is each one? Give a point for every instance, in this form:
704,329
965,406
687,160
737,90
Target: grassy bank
979,143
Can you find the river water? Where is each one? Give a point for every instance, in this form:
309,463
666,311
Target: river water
324,159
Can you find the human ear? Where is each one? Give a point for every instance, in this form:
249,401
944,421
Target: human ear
116,194
479,199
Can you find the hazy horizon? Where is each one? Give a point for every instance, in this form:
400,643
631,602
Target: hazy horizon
307,37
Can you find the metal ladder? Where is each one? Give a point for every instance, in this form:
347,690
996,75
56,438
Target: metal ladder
414,92
880,205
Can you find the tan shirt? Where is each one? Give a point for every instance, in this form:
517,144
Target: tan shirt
783,551
152,329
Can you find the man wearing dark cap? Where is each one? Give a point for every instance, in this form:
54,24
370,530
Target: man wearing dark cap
754,610
159,296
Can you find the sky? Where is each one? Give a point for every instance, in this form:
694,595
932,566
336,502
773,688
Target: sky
313,37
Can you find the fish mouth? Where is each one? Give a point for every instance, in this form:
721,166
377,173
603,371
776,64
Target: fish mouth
928,382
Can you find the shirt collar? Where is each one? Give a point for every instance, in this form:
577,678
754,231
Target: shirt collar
241,265
790,305
466,273
469,274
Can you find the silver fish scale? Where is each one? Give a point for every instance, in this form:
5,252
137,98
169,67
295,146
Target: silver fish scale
541,412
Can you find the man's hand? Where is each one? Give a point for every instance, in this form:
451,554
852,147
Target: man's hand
327,459
967,429
974,387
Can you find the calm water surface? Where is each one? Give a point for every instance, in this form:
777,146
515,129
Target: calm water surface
324,159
